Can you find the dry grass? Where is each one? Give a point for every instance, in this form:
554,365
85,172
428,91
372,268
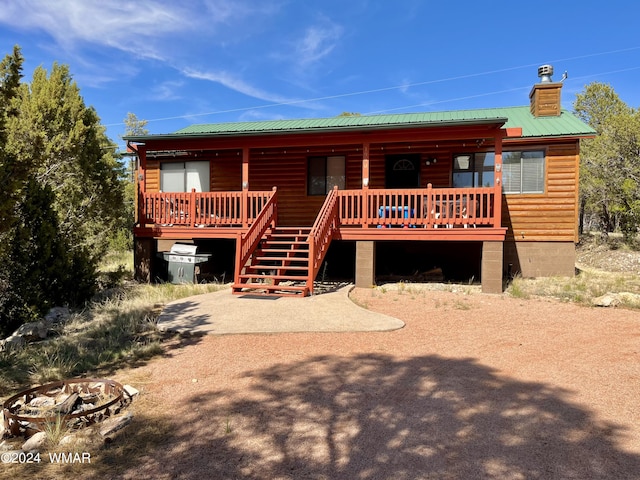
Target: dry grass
115,331
584,288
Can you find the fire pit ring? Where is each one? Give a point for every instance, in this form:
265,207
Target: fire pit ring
78,391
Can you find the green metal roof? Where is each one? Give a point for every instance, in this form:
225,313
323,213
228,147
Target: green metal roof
566,124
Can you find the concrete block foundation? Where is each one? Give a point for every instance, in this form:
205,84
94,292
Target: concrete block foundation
540,259
492,271
365,264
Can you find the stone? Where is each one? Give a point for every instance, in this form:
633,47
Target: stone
130,391
113,424
67,440
42,401
1,423
57,315
13,342
5,447
35,442
630,298
607,300
32,331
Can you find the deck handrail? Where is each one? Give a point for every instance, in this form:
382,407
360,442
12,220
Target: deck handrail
321,234
247,242
238,208
418,207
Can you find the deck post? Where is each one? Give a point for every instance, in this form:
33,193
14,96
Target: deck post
428,207
364,197
192,208
143,254
365,165
245,168
491,273
497,177
365,264
245,187
275,208
141,182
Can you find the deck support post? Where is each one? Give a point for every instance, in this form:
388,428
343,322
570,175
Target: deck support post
491,273
143,253
245,187
365,264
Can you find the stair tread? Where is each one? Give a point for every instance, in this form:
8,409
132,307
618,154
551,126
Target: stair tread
278,267
286,242
286,259
272,277
291,229
275,293
268,250
258,286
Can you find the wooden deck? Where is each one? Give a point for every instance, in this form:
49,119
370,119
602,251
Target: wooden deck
273,259
366,214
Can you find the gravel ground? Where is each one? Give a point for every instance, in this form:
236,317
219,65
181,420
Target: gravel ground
473,387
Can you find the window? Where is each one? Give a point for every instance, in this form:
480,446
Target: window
473,170
523,172
324,173
184,176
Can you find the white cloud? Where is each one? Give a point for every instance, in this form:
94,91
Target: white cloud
318,42
181,35
144,28
234,83
167,91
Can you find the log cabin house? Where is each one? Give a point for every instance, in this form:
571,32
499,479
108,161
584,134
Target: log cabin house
494,190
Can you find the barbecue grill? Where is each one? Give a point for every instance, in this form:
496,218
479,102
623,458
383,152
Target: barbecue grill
183,262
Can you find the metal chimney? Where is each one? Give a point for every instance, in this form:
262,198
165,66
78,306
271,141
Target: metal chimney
545,72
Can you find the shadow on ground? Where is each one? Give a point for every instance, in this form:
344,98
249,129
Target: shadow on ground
379,417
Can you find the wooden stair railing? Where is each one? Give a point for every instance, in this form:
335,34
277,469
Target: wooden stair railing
248,242
326,224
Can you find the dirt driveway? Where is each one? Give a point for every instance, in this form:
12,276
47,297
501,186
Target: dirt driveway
474,387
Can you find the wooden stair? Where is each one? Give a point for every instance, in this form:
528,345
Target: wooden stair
279,266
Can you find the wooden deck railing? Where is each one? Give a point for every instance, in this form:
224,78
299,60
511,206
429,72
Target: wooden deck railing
426,207
202,208
321,234
247,242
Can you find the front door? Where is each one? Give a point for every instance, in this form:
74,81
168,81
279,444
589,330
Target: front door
402,171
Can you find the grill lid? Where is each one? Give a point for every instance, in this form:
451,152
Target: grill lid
183,249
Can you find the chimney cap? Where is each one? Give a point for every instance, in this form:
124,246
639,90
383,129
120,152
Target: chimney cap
545,72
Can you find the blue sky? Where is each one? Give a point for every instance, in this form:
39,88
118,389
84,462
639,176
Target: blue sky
207,61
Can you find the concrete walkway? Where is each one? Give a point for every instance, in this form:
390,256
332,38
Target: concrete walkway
221,313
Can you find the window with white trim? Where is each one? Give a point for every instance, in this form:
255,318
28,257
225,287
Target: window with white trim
324,173
184,176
